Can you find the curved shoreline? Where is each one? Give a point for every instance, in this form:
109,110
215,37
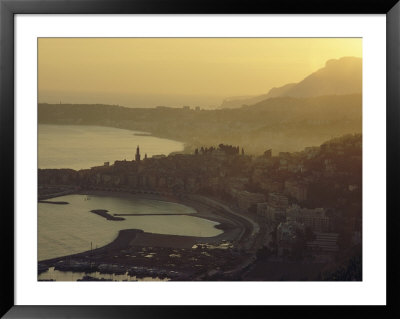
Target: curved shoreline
145,254
232,228
137,133
205,211
224,219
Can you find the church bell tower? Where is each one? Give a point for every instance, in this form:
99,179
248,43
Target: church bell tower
137,156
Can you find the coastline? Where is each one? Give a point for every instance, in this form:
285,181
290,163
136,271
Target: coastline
203,211
188,146
231,228
141,253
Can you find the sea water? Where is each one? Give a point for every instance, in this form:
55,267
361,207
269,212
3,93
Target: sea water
82,146
72,228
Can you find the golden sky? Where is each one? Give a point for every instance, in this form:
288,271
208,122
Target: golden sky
186,66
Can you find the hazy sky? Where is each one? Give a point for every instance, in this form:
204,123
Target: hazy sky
115,70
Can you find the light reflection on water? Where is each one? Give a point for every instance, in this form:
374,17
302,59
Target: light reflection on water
69,229
56,275
60,144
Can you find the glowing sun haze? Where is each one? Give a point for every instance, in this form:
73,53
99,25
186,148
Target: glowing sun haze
85,69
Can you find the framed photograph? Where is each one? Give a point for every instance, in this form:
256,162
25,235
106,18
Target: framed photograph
159,154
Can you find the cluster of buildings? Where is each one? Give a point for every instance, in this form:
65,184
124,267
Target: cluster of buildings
291,222
275,189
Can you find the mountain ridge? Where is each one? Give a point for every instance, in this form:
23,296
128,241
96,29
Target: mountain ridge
338,77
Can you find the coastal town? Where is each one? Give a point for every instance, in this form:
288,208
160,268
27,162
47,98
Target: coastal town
287,210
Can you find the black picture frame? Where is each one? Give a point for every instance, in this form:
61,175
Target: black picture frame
8,8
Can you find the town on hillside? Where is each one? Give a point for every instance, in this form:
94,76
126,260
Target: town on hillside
304,207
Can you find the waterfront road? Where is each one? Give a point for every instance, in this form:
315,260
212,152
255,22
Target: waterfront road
255,226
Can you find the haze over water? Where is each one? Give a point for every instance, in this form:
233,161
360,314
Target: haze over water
81,147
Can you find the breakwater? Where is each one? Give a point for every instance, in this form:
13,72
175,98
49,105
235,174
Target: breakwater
103,213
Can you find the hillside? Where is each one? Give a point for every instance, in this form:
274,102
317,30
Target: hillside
283,124
338,77
342,76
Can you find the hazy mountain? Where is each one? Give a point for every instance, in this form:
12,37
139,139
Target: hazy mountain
338,77
342,76
239,101
280,91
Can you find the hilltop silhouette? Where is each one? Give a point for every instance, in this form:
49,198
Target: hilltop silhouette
338,77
